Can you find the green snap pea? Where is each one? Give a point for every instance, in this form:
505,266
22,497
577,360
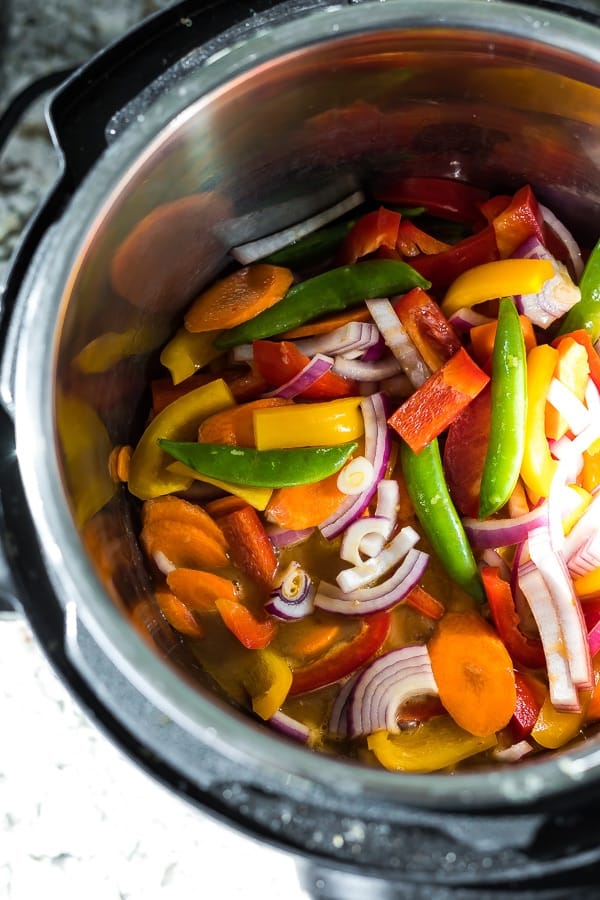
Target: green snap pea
509,412
427,488
260,468
316,245
330,292
586,313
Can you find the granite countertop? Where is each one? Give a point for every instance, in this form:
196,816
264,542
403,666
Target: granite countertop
77,818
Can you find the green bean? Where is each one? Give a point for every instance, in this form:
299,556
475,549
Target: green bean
586,313
509,412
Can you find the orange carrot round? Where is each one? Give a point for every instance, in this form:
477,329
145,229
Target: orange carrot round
473,672
238,297
200,590
178,615
176,509
236,424
305,505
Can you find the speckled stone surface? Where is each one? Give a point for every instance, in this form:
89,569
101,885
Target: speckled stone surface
77,819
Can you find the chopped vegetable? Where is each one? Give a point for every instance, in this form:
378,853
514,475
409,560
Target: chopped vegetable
303,425
586,314
268,682
260,468
496,279
249,545
524,650
254,634
187,353
235,425
199,590
437,744
305,505
538,467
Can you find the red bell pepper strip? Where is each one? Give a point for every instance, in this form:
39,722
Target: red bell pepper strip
427,327
345,658
582,337
520,220
412,241
251,632
494,206
442,269
443,197
524,650
249,545
527,708
372,231
433,406
279,361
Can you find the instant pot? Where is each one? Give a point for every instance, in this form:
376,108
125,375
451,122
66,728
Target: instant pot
245,120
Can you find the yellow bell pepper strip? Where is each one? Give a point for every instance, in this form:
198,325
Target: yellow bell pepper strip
590,474
554,728
328,292
148,473
587,585
260,468
509,409
308,424
436,744
586,313
500,278
538,467
258,497
188,352
573,370
268,682
110,348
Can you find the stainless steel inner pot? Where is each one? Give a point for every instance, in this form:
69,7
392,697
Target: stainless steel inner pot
248,134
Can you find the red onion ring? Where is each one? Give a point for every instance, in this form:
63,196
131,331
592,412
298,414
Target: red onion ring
317,367
504,532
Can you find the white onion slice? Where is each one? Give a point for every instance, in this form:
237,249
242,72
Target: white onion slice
265,246
374,599
356,534
388,500
587,557
377,450
493,533
243,353
316,367
289,726
554,572
564,235
366,573
361,370
356,476
397,339
563,693
163,563
568,405
513,753
354,338
385,685
287,537
338,717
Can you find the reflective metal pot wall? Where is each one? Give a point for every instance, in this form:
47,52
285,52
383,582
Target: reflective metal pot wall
249,133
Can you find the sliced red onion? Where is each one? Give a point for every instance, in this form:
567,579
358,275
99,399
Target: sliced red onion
557,295
366,573
385,685
377,451
398,387
554,572
373,599
587,557
466,318
361,370
504,532
568,404
388,500
491,557
397,339
338,717
513,753
585,529
594,639
376,350
355,535
570,460
356,477
566,238
289,726
281,538
317,367
563,693
353,338
293,595
265,246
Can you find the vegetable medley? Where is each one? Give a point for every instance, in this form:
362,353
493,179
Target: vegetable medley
393,413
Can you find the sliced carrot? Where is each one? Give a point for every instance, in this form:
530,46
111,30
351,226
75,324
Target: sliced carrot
118,463
324,326
200,590
178,615
182,545
251,632
473,672
590,474
176,509
305,505
425,603
250,546
236,424
224,505
238,297
308,639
